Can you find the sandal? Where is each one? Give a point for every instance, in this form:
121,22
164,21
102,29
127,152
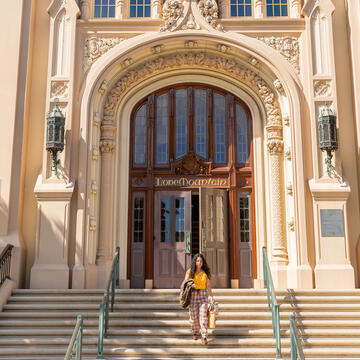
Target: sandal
204,341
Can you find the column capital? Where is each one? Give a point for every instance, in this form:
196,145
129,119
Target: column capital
275,147
107,146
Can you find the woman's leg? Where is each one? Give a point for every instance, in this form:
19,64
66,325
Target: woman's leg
204,319
194,313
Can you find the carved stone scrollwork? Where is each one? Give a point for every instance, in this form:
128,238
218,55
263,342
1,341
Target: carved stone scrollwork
59,89
322,88
191,164
275,146
190,24
107,146
209,10
199,59
287,46
171,12
92,224
96,47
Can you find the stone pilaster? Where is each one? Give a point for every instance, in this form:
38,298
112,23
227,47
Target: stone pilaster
120,8
85,9
156,9
104,249
279,255
259,9
294,7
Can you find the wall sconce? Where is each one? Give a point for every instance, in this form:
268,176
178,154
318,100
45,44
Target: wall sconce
55,127
328,138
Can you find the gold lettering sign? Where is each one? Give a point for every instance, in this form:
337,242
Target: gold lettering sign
191,182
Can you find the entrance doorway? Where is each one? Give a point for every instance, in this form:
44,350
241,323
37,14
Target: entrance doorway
191,187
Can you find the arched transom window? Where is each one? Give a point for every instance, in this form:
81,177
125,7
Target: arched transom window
207,122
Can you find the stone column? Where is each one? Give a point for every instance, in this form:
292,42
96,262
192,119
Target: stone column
279,255
119,12
259,9
156,9
85,9
105,249
294,6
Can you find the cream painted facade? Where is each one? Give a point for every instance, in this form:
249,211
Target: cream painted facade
66,227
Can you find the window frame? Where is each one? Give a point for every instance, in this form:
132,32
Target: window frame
136,5
94,5
273,7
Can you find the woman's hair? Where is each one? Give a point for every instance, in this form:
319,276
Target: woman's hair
204,267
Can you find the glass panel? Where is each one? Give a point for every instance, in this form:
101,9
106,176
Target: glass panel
219,218
165,219
132,11
140,136
276,8
138,220
244,219
179,220
241,135
147,11
200,123
162,129
240,7
219,128
181,123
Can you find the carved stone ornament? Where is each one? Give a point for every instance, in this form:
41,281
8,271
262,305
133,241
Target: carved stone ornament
191,164
322,88
172,10
94,187
59,89
92,224
190,14
107,146
95,152
217,63
287,46
288,154
275,146
96,47
289,189
291,224
209,10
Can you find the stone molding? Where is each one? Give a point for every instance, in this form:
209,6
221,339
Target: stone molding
95,47
172,10
287,46
198,59
107,146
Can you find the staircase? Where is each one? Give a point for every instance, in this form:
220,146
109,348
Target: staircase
149,324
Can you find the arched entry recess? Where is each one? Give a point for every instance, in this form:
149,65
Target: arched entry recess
123,84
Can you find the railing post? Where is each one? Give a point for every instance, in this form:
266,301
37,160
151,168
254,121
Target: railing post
101,331
113,282
277,329
117,266
79,338
106,312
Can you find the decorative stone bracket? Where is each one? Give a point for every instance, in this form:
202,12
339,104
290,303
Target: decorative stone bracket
190,14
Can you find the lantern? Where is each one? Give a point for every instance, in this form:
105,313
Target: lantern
328,138
55,128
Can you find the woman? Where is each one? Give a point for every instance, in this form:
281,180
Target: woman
200,274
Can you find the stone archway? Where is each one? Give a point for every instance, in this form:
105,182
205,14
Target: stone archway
132,72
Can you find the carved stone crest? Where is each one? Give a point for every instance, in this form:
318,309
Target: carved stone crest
191,164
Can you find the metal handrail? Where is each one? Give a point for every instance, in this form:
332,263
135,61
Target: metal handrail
272,305
5,263
113,281
76,340
296,348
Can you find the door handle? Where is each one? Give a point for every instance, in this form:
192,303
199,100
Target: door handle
203,238
187,242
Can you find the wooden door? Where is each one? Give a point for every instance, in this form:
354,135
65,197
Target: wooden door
172,233
245,243
214,234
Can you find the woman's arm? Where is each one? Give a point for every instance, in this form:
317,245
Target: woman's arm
209,289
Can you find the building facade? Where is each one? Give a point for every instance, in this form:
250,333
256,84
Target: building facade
190,126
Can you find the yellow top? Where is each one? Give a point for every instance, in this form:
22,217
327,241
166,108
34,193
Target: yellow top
199,279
